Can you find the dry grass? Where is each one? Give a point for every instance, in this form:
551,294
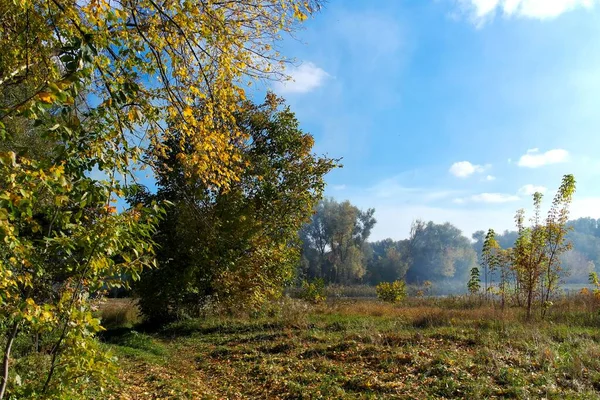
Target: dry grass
426,348
119,313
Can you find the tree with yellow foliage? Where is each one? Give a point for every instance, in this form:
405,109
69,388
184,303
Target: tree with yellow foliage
99,80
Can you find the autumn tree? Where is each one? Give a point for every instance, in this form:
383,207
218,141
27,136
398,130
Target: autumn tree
238,246
537,251
100,80
556,243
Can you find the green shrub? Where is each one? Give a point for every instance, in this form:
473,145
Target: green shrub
391,292
313,291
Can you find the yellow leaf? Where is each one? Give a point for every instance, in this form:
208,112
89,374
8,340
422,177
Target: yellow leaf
46,97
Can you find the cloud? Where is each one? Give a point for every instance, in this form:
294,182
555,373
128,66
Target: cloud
303,79
535,9
464,169
338,187
534,159
490,178
490,198
530,189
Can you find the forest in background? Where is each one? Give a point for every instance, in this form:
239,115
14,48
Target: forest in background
336,249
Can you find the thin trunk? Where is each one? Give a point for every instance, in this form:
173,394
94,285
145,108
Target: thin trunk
6,359
529,301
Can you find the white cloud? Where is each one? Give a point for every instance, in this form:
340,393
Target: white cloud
530,189
464,169
536,9
338,187
490,178
490,198
534,159
303,79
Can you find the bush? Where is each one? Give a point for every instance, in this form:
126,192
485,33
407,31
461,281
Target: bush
314,291
391,292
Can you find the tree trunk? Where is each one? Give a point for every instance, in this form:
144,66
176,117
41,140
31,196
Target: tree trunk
529,301
6,359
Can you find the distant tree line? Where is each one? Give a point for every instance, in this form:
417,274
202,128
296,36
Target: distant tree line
336,249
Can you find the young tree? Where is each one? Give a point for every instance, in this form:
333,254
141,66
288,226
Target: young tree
489,261
537,251
504,262
474,284
556,243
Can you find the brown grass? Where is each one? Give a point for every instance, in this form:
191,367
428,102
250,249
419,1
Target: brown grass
118,313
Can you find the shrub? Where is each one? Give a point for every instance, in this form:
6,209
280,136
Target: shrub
313,291
391,292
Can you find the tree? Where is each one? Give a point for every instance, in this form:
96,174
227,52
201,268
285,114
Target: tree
438,252
240,245
334,241
556,243
490,261
100,80
538,248
388,261
474,284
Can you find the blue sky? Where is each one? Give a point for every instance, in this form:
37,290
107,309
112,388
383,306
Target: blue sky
451,110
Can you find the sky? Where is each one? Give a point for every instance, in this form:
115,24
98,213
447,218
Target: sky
451,110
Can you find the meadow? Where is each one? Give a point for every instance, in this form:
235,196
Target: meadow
452,347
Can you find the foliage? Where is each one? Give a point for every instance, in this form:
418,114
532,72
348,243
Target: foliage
596,282
61,243
579,261
387,261
98,82
391,292
474,284
313,291
489,261
333,242
533,266
238,246
438,252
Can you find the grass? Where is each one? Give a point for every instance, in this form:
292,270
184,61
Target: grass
366,349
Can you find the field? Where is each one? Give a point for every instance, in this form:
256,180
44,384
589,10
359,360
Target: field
426,348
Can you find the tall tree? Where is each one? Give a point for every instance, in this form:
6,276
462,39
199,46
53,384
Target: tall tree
239,245
388,261
438,252
334,241
101,80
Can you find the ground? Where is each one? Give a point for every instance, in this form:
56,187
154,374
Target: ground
365,349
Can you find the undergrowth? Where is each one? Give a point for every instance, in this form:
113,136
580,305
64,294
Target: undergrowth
424,348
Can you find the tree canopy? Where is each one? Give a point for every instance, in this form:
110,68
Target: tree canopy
238,246
107,87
